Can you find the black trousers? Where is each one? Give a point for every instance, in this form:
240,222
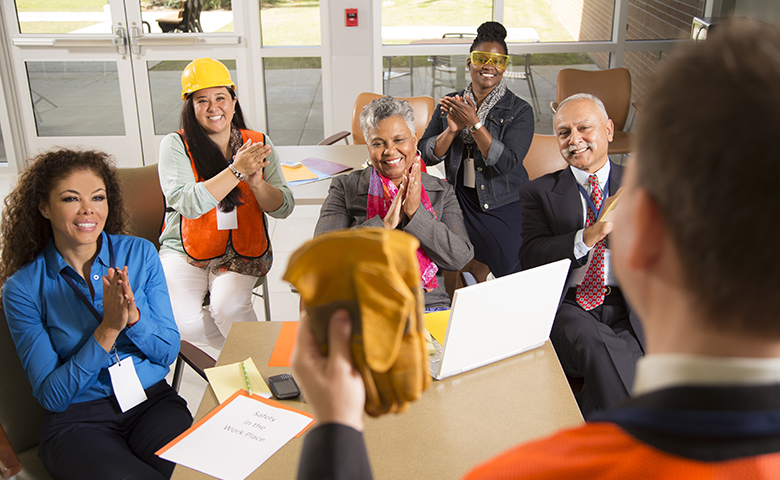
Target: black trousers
95,440
601,347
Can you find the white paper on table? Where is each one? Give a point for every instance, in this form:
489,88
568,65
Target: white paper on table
236,437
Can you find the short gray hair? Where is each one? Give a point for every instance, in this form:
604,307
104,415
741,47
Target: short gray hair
586,96
382,108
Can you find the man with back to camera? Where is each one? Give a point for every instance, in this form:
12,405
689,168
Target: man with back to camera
695,249
594,334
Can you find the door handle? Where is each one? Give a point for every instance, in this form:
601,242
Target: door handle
135,40
120,41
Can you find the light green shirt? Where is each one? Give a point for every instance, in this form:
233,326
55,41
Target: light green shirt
188,197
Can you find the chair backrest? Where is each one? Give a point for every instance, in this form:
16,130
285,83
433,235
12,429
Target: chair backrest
20,412
144,202
543,156
423,111
613,87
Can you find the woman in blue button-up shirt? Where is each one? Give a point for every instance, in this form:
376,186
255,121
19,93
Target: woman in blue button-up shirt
78,298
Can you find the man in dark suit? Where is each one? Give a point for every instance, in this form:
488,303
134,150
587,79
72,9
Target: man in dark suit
594,334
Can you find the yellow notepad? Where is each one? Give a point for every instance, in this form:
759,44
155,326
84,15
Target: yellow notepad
228,379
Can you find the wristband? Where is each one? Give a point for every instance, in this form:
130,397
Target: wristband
239,175
475,127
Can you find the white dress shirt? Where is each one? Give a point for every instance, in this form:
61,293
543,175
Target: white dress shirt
656,372
580,249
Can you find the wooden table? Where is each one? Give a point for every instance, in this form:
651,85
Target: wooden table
314,193
458,422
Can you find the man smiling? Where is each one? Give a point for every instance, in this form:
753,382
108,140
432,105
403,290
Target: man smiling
594,334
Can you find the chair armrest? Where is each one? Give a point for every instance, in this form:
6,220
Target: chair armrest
9,462
195,358
336,137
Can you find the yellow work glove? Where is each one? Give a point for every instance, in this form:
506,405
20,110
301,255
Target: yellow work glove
374,274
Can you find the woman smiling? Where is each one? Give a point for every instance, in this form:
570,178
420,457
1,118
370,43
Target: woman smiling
89,313
393,193
219,179
482,135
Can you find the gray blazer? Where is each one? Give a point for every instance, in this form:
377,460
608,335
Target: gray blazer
444,240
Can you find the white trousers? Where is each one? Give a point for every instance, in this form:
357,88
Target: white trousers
231,299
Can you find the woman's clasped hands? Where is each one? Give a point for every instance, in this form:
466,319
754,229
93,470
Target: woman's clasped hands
250,160
461,112
407,201
119,310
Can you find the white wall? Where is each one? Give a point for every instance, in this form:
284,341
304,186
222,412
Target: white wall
351,58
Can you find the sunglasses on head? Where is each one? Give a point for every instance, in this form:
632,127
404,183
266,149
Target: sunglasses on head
481,58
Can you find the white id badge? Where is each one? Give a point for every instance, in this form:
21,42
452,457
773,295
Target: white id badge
127,386
227,220
469,177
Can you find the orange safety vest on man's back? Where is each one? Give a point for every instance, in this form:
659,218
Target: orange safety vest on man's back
605,451
203,241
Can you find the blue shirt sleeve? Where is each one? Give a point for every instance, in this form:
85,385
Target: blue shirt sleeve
54,331
55,383
155,334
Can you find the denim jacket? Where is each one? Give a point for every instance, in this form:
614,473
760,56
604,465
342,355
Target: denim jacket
499,176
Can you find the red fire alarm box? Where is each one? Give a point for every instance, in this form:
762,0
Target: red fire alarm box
352,19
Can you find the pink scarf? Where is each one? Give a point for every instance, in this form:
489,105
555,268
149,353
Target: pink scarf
381,192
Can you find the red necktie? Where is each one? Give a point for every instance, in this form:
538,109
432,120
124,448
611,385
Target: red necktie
590,293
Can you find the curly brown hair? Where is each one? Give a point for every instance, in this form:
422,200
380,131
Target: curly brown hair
24,232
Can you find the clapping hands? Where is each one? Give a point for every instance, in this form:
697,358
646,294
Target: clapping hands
407,201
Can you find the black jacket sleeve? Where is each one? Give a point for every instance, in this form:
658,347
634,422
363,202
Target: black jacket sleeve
334,452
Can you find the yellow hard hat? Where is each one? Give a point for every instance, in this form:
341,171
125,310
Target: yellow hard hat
204,73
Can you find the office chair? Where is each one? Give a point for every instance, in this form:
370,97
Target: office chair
423,111
543,157
146,213
613,87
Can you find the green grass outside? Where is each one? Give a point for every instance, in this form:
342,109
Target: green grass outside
53,27
60,6
536,14
290,22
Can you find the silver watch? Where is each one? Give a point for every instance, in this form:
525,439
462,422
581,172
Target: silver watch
475,127
239,175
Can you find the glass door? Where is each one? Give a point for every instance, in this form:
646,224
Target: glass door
106,74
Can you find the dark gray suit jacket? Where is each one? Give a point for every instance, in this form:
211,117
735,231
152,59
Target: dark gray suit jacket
552,214
444,239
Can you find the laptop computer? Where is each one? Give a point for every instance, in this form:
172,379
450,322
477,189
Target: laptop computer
500,318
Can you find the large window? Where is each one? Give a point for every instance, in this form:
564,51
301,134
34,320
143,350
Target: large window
293,88
408,21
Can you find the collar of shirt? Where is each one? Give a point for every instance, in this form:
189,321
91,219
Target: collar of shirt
582,177
55,263
656,372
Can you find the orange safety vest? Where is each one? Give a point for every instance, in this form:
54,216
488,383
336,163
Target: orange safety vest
203,241
606,451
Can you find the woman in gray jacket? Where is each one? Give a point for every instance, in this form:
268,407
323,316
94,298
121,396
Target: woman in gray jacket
394,193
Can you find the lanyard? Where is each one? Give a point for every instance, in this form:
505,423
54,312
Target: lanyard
79,293
589,201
